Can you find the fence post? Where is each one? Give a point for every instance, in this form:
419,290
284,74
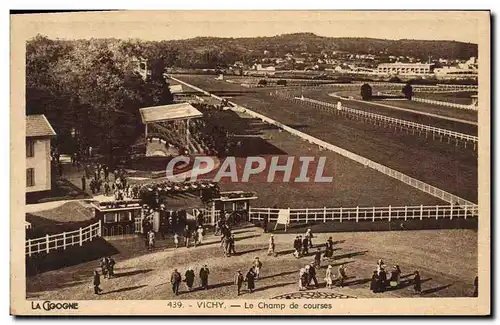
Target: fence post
421,211
324,214
406,212
389,213
307,215
99,231
437,211
340,214
268,214
373,215
451,211
81,236
47,248
29,247
64,240
465,212
357,213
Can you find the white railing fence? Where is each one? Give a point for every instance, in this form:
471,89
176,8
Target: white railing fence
376,118
359,214
445,104
63,240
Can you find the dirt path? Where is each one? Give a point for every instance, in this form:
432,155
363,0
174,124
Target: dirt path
446,259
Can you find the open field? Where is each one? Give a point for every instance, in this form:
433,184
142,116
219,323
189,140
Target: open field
353,184
446,260
451,168
463,97
324,95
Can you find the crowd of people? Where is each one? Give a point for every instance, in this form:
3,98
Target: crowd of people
381,280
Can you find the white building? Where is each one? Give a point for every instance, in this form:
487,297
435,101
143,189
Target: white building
405,68
38,135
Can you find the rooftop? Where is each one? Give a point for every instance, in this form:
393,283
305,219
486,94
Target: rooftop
38,126
171,112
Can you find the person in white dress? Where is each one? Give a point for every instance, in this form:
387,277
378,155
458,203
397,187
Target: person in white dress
200,234
270,250
329,277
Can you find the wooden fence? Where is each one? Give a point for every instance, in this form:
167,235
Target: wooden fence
413,182
359,214
63,240
377,118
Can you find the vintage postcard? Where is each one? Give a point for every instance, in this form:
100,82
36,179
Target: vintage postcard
250,163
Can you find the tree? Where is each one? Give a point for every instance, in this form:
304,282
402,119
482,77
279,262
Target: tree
366,92
262,83
90,86
281,82
407,91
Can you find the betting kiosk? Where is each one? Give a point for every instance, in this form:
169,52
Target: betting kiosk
118,217
236,203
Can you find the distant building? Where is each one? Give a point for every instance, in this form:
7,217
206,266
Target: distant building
38,135
264,67
405,68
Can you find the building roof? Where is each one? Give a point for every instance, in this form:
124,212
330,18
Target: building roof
38,126
171,112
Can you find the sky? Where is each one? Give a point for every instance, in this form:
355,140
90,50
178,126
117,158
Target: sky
166,25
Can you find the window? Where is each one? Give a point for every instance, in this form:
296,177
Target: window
124,216
30,177
110,217
30,148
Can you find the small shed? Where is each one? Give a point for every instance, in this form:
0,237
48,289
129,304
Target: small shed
118,217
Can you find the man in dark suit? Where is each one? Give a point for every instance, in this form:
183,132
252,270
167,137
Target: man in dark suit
175,279
204,272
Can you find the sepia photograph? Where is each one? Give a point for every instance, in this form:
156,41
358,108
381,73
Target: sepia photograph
250,162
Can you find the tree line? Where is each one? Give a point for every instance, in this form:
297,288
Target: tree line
89,92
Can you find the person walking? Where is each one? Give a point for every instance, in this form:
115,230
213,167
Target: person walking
232,243
111,267
97,282
265,222
189,278
317,258
329,277
305,246
394,280
238,281
176,240
309,237
187,236
270,250
342,275
312,275
194,237
151,240
175,280
303,277
200,234
204,272
84,183
104,267
297,246
257,265
417,284
374,284
250,279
